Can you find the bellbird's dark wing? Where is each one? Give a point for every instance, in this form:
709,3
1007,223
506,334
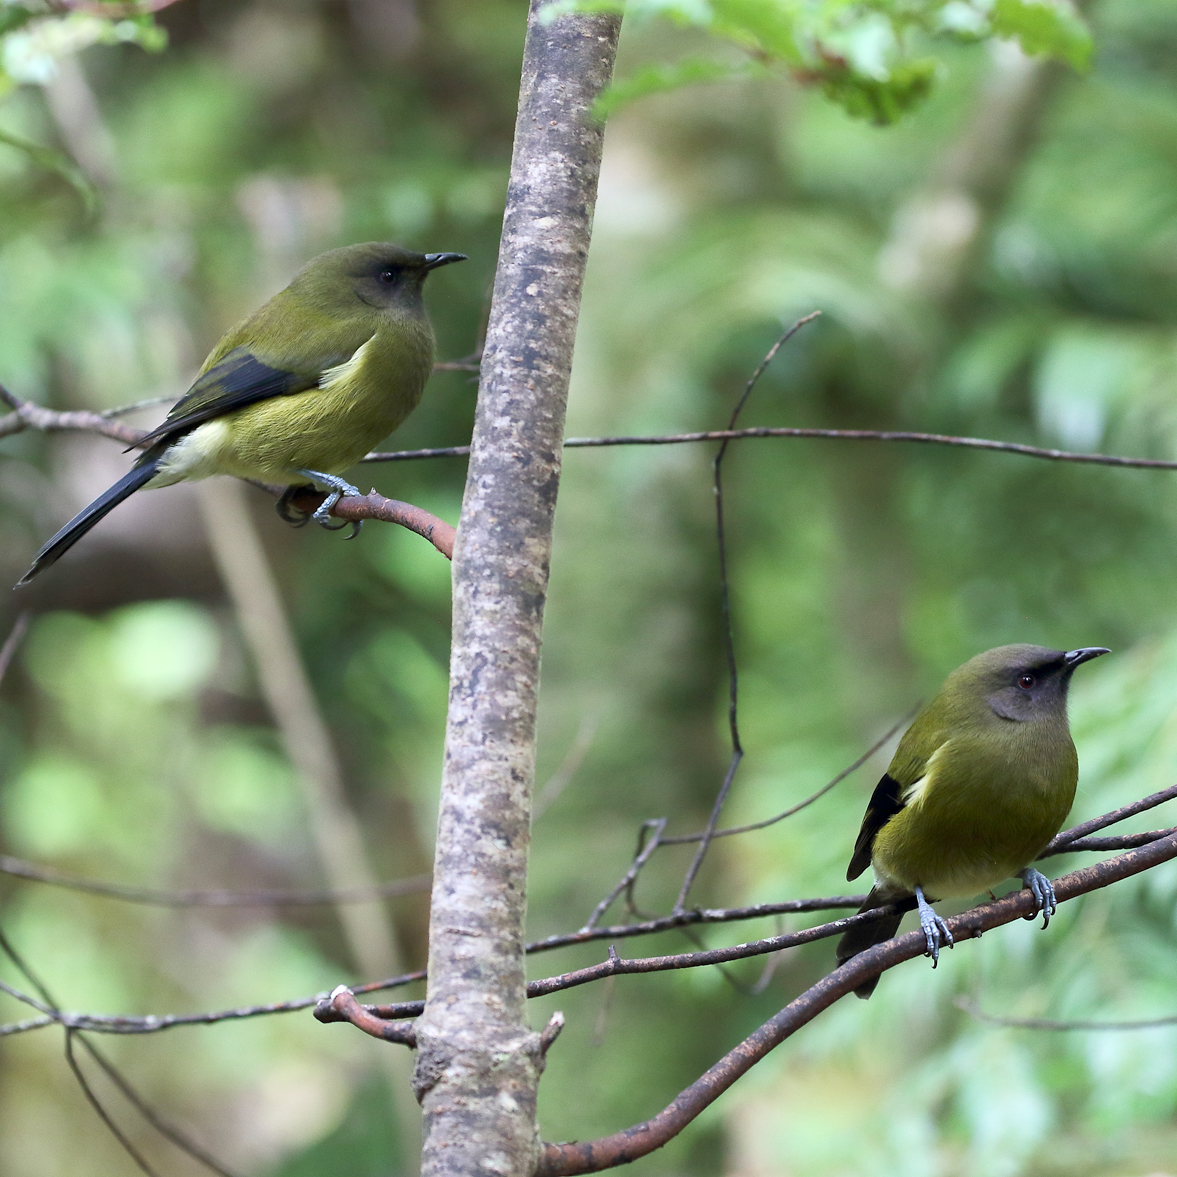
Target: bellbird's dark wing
238,380
886,801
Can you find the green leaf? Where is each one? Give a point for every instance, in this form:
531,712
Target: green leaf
1049,27
880,101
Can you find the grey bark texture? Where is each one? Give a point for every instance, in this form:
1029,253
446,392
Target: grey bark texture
478,1061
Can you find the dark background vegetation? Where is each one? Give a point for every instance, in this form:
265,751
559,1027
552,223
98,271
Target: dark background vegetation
133,742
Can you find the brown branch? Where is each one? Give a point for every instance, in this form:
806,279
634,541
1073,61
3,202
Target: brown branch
1122,842
685,919
562,1160
342,1004
976,443
26,415
19,868
375,506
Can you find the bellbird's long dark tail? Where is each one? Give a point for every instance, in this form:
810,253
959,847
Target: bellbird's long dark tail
84,520
873,932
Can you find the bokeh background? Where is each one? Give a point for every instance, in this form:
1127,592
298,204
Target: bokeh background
1003,262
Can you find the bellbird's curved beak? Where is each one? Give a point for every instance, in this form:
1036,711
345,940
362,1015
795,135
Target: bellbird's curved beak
1075,658
434,260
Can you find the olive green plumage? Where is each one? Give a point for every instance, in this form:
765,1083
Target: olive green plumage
299,391
980,783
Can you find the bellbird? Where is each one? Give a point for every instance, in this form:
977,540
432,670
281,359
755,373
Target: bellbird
299,391
980,783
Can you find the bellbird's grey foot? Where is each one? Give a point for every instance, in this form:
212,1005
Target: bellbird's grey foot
935,929
337,488
1043,891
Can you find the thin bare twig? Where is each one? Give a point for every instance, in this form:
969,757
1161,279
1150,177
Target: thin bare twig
19,868
644,851
100,1111
169,1131
974,1011
1060,841
887,435
837,780
166,1129
729,642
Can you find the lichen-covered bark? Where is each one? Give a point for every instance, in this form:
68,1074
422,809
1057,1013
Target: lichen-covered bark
478,1061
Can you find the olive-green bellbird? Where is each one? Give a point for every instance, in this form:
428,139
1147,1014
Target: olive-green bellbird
299,391
980,783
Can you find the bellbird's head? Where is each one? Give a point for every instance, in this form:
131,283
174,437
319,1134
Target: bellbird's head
1020,683
377,274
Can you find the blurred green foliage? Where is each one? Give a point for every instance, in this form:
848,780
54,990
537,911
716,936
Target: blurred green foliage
1028,292
869,56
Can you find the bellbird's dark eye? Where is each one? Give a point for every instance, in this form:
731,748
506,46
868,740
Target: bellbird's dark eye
1026,681
387,277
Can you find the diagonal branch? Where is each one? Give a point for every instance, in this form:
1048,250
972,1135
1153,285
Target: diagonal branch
563,1160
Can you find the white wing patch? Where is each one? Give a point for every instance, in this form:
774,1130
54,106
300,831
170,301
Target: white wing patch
913,795
342,373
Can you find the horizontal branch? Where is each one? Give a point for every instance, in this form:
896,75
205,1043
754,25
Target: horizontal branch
19,868
1067,841
563,1160
888,435
27,415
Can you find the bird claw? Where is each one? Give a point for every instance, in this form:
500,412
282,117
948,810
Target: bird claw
936,932
1043,891
337,489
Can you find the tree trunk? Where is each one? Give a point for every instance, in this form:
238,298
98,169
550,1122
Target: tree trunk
478,1062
